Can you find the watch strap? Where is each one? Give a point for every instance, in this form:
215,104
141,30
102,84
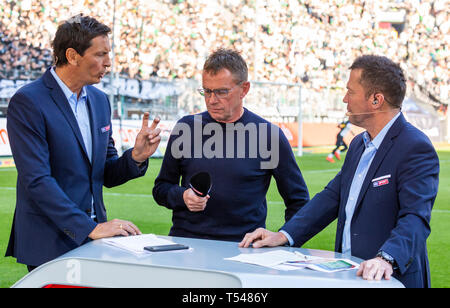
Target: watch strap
387,257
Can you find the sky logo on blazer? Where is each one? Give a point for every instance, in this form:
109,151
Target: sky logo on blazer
381,181
106,129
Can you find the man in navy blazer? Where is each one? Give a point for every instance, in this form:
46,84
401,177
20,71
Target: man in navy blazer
386,188
61,139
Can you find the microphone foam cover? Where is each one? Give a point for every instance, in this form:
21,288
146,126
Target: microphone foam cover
201,183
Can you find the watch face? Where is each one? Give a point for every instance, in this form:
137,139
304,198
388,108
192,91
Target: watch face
386,257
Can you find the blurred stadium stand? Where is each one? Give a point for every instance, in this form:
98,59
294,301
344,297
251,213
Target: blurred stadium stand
160,47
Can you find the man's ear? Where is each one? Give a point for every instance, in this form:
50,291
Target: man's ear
378,101
72,56
246,88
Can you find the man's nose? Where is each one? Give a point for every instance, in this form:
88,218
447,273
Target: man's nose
107,62
345,99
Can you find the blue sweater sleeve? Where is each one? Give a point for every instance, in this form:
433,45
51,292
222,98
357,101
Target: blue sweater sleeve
167,190
289,179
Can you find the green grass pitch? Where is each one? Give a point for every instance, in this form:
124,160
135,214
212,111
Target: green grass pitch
133,201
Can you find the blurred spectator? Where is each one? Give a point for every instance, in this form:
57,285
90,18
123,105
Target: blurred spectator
295,41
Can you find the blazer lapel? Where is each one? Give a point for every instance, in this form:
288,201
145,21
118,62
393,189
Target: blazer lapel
61,102
353,165
94,124
347,177
379,157
353,157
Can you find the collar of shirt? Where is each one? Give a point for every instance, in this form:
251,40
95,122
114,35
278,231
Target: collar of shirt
71,96
376,142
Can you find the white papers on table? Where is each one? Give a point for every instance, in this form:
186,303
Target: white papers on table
286,261
136,243
268,259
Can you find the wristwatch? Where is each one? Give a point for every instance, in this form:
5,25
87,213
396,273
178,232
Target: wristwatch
388,258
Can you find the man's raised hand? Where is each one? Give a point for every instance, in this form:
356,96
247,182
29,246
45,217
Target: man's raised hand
147,140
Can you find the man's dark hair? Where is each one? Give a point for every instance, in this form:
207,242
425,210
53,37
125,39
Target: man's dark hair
227,59
77,33
382,75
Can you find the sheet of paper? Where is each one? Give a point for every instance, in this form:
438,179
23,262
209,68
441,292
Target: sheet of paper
289,261
136,243
268,259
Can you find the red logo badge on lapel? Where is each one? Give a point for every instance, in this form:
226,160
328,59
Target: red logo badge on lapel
106,129
380,183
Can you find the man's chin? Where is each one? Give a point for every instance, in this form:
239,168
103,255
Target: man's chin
219,117
359,120
94,81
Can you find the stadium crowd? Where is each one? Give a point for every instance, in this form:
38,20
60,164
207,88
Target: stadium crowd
293,41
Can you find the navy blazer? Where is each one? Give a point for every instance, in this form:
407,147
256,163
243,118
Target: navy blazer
393,216
56,181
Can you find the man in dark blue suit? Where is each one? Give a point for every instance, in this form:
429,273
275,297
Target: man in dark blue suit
386,188
61,139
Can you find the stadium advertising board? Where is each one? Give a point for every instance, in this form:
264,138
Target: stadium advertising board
9,87
123,86
5,149
143,89
124,134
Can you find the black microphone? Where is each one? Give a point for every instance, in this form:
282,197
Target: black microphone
201,184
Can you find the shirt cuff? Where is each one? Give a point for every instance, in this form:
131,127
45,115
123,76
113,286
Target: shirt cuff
291,241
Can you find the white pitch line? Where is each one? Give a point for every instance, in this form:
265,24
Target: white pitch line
128,195
321,171
282,203
441,211
105,194
8,188
150,196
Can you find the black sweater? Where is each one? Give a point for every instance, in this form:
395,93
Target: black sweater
240,178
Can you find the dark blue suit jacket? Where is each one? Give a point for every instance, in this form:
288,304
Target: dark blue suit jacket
56,181
394,217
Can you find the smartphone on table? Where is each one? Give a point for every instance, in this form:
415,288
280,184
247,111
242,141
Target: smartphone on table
166,247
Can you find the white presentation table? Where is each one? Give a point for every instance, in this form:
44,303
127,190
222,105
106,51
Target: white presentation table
97,264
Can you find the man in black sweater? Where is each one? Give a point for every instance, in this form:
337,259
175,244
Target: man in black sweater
241,152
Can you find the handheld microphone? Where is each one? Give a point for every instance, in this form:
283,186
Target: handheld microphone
201,184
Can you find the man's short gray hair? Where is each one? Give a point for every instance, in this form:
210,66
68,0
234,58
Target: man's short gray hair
227,59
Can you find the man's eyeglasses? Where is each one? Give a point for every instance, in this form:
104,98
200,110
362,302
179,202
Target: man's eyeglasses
219,93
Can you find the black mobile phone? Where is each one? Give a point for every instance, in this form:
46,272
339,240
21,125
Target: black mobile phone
166,247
